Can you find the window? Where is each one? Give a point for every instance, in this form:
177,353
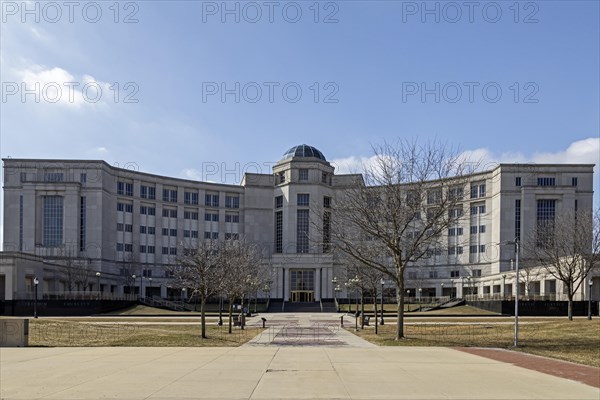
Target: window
173,251
190,215
165,231
147,210
546,210
481,228
119,246
151,230
455,213
473,229
232,236
148,192
186,233
412,275
194,234
459,249
326,202
434,196
477,273
82,178
324,177
546,181
211,216
170,195
279,232
169,232
165,251
211,200
143,229
281,177
302,233
302,174
211,235
125,188
128,247
478,209
303,199
518,181
456,193
474,191
326,231
150,249
455,273
451,250
54,177
232,202
482,190
128,208
82,223
234,218
433,274
190,198
173,232
278,201
455,231
53,221
574,181
169,213
128,228
473,249
142,248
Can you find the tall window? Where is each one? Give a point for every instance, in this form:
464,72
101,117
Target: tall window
303,174
211,200
546,211
546,181
54,177
326,231
279,232
302,233
190,198
125,188
53,221
82,223
303,199
278,201
232,202
518,181
20,223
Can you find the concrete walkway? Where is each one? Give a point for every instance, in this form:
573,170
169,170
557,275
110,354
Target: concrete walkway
270,372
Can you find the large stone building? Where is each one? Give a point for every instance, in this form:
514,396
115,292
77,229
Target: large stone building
96,218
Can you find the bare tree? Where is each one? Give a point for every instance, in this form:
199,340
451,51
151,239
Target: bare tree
198,269
567,247
410,196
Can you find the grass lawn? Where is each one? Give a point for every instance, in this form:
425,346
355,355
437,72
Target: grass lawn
84,332
413,309
577,341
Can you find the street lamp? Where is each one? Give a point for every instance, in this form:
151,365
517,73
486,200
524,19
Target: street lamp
98,279
516,244
150,284
348,287
442,285
590,300
132,287
420,291
141,284
336,291
382,284
35,285
503,286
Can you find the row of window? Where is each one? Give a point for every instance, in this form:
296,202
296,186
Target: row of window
434,274
170,195
171,213
546,181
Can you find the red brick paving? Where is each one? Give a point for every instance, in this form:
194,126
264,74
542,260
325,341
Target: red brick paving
563,369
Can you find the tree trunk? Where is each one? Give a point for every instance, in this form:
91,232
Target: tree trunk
362,310
203,317
375,308
230,314
400,312
570,312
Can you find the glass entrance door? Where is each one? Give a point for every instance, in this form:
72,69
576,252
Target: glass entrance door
302,285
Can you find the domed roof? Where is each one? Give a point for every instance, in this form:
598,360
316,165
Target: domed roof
304,150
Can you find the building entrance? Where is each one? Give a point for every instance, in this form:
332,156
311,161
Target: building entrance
302,285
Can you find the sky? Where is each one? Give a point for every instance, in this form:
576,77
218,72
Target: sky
209,90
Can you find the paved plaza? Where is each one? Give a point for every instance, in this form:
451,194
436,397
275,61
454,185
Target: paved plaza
298,357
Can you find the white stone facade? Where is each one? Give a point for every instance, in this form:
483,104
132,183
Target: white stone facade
106,220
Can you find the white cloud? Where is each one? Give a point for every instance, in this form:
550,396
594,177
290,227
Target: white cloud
58,86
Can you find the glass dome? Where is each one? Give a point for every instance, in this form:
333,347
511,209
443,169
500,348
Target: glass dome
304,150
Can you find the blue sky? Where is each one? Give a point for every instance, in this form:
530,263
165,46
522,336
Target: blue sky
369,59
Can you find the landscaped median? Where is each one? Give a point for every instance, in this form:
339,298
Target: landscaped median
132,332
576,341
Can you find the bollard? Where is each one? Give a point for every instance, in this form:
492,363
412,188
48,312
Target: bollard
342,321
264,320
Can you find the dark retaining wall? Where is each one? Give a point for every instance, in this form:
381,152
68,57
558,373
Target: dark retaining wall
61,307
536,308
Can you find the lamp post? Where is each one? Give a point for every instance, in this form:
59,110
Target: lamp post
382,285
141,284
590,300
35,285
516,244
150,284
452,289
408,297
348,288
220,323
470,288
420,291
98,279
337,290
132,287
504,287
462,287
442,285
